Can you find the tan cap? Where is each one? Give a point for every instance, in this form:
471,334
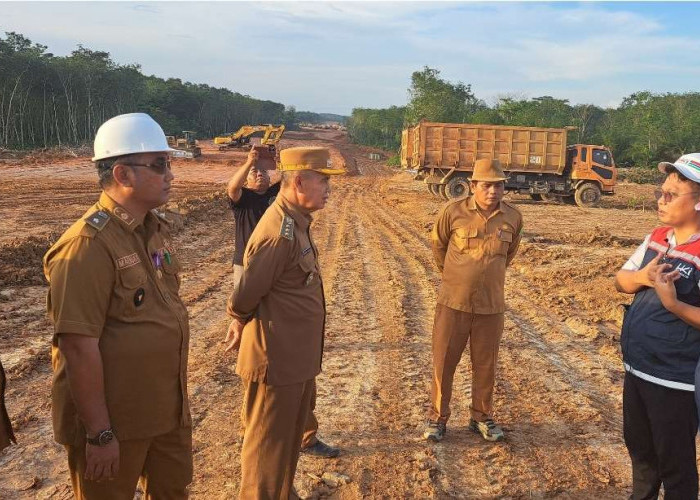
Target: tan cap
488,170
306,158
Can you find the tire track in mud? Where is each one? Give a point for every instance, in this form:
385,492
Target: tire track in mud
214,388
349,351
375,329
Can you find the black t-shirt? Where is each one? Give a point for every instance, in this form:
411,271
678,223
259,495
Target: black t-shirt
247,212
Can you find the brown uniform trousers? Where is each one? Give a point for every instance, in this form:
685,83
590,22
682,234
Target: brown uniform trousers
276,416
163,464
6,434
106,283
472,252
452,331
281,298
311,427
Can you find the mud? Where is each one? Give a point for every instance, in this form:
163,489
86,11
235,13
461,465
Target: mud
558,393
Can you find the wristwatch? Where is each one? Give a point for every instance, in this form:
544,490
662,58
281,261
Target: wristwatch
103,438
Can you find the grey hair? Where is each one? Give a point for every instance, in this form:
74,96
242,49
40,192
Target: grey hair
288,176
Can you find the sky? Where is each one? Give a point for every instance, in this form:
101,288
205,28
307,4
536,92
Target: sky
335,56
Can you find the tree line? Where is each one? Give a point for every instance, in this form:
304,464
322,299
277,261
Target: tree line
47,100
644,129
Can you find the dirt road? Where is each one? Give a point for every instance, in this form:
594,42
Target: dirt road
558,393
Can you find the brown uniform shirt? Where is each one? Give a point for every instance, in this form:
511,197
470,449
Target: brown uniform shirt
104,283
281,288
472,252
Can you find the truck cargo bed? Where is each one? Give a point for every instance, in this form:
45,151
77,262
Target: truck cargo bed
459,145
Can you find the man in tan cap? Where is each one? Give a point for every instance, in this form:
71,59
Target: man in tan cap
474,239
279,317
250,194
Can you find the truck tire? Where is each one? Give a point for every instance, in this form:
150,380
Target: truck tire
433,188
536,197
457,186
442,191
587,195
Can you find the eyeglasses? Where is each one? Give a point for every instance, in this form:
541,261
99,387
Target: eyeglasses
670,196
159,167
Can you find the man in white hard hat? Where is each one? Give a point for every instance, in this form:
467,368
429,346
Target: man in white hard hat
121,333
661,340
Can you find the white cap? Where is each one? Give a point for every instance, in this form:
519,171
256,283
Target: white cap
129,134
688,165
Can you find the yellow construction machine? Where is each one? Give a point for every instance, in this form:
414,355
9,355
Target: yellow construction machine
241,138
186,147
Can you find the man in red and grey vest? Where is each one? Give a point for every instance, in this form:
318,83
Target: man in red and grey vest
661,340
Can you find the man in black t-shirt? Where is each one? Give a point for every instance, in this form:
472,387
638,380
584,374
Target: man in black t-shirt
250,193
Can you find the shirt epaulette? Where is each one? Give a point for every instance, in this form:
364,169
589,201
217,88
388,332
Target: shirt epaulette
510,205
98,219
161,216
287,228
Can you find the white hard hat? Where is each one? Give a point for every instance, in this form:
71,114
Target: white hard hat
129,134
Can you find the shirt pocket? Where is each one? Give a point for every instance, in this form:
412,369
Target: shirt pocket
504,238
466,239
171,274
131,291
308,267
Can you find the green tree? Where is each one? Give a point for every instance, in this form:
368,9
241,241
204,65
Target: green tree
434,99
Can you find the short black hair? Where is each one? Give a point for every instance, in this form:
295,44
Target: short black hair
105,168
674,171
104,171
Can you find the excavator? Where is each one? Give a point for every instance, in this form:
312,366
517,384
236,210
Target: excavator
241,138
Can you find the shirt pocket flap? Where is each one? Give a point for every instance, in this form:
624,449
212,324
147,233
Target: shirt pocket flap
132,277
173,267
467,232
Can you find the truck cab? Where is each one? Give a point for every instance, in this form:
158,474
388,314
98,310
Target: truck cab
589,163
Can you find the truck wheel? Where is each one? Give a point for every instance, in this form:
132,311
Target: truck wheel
536,197
587,195
433,188
457,186
442,191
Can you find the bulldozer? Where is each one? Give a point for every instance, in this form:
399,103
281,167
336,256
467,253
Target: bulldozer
241,138
186,146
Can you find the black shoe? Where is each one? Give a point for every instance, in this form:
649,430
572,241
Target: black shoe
435,431
321,450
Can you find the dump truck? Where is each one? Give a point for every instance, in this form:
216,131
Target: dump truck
536,160
185,146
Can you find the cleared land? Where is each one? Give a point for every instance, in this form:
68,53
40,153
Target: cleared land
558,393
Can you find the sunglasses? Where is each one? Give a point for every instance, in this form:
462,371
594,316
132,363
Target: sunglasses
159,167
670,196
